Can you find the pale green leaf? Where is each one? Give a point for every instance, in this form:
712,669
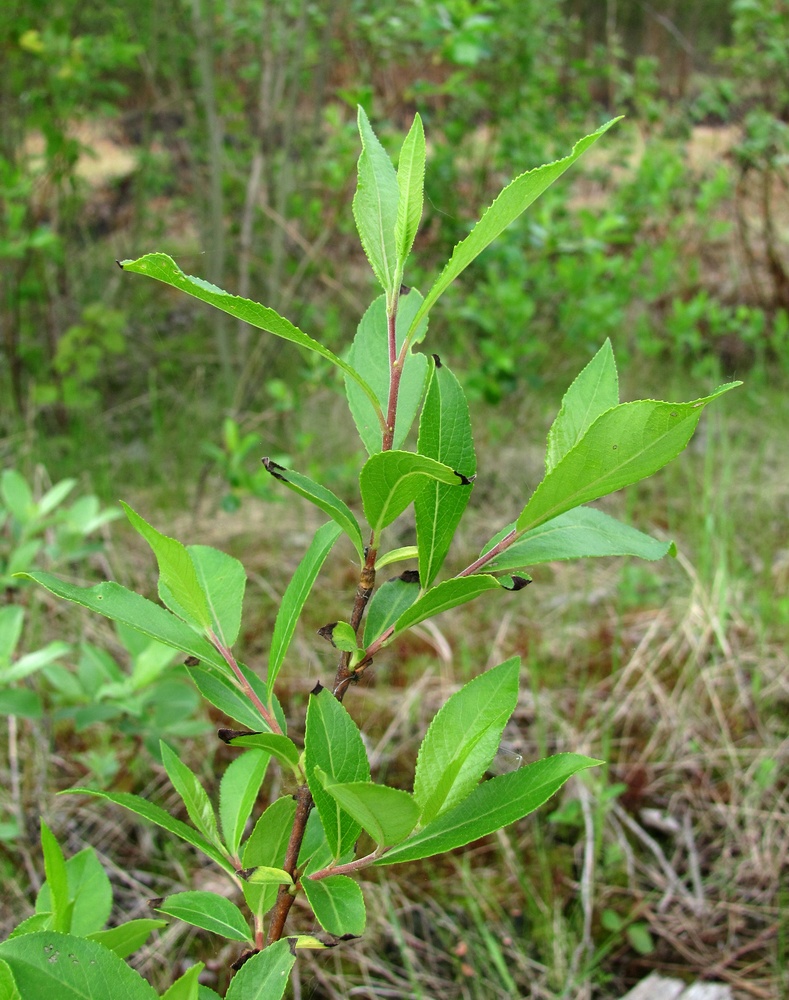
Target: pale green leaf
238,792
332,742
593,392
492,805
410,184
510,203
126,938
370,353
225,694
445,435
186,987
122,605
579,533
67,967
89,894
163,268
375,205
194,796
8,987
265,975
322,498
223,580
391,480
209,911
624,445
338,904
266,848
296,594
57,880
263,875
387,814
12,618
179,587
463,738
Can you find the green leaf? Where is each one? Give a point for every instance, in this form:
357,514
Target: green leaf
388,603
462,739
26,704
179,587
223,581
370,353
510,203
410,184
55,496
322,498
624,445
17,496
446,595
194,796
238,792
163,268
338,904
66,967
492,805
576,534
31,663
122,605
593,392
224,694
341,636
387,814
8,987
207,910
34,923
391,480
12,618
126,938
333,743
265,975
186,987
278,746
155,814
89,894
57,879
295,596
266,848
375,206
445,435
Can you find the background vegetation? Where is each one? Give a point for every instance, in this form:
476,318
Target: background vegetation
224,133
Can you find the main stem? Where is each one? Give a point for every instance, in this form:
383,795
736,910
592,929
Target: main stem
344,674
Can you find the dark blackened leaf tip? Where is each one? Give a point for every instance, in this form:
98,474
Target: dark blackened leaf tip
156,902
226,735
120,264
245,873
405,289
191,661
275,469
243,958
318,687
518,583
292,945
437,360
409,576
327,632
464,480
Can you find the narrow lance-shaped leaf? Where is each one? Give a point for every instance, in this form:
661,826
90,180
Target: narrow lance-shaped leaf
463,738
238,791
410,183
194,796
179,587
392,599
163,268
338,904
375,206
579,533
57,879
391,480
446,595
510,203
122,605
595,390
369,352
278,746
492,805
207,910
624,445
295,596
333,743
322,498
445,435
127,937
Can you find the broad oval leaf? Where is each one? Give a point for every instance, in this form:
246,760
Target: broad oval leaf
338,904
387,814
462,739
492,805
49,964
332,742
209,911
624,445
265,975
391,480
295,596
577,534
163,268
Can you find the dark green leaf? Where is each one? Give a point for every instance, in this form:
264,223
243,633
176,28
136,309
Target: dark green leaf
391,480
207,910
338,904
492,805
224,694
387,814
388,603
265,975
193,795
266,847
126,938
446,595
278,746
238,792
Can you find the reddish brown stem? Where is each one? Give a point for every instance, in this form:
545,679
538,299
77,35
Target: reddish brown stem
284,896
